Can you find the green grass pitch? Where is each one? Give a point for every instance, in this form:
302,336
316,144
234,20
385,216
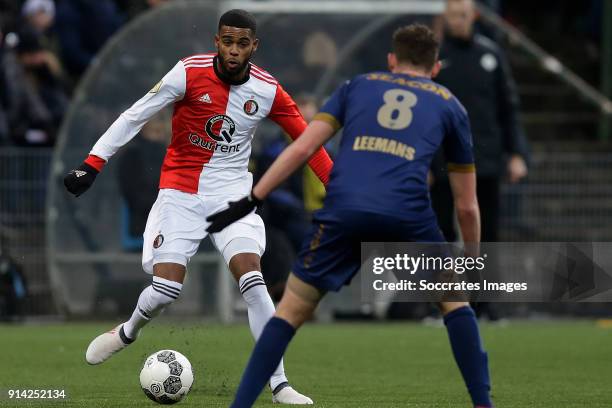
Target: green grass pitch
544,364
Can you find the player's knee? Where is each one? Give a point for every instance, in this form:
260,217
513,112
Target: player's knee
296,316
242,255
244,263
173,271
296,309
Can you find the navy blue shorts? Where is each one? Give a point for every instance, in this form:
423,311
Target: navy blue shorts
331,253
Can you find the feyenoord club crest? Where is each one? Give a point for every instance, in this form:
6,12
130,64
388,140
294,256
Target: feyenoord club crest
159,240
251,107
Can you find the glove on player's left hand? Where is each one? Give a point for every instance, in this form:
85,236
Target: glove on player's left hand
235,211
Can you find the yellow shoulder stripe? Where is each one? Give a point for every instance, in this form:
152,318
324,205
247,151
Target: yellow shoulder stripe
461,168
328,118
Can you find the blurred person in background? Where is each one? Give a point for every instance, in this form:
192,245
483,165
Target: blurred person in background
285,211
13,288
44,73
288,208
39,17
30,122
39,14
83,27
4,97
477,72
313,191
318,54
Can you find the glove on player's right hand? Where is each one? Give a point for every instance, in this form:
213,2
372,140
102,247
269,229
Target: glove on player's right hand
79,180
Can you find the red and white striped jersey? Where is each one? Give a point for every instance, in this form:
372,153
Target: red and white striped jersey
212,126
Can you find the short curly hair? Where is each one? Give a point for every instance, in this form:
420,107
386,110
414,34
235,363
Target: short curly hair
416,45
238,18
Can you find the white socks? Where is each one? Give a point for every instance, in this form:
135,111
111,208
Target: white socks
163,292
151,302
261,309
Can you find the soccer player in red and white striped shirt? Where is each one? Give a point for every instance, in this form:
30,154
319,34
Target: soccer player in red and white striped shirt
219,99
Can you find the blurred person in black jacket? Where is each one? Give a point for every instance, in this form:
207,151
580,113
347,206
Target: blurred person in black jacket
476,70
83,27
283,212
39,16
13,288
4,97
29,121
44,73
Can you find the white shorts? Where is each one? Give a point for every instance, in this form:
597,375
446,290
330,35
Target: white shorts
177,223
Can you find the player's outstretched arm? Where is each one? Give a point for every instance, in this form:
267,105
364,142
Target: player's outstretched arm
169,90
291,159
287,115
294,157
463,186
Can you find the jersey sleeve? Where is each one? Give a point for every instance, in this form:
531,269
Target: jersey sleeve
333,110
169,90
458,146
286,114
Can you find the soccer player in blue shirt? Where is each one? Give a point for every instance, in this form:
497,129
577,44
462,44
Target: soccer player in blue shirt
393,124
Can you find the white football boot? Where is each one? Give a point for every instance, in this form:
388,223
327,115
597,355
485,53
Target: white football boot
284,394
107,344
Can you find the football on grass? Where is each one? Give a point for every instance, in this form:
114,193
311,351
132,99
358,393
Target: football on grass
166,376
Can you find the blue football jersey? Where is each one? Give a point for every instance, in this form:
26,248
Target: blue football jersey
393,124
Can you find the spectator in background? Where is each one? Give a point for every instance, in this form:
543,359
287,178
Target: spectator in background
13,288
478,74
4,97
44,74
313,191
29,121
283,212
83,27
319,54
39,14
39,17
289,207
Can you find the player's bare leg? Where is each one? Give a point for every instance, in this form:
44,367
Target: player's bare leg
447,307
165,289
297,306
246,268
466,344
299,302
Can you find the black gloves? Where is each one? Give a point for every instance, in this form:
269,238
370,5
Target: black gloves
79,180
236,210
